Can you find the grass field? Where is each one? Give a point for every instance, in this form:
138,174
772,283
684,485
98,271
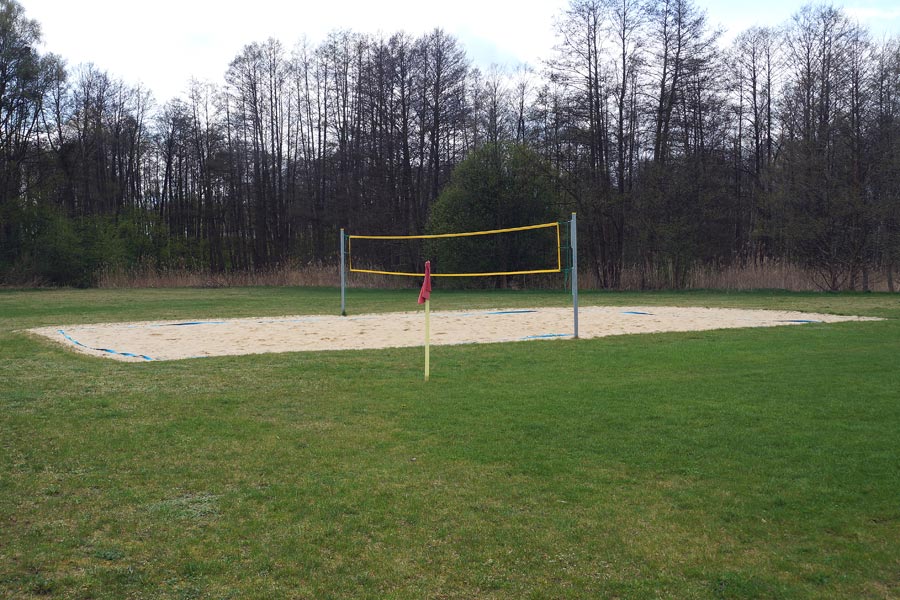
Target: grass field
754,463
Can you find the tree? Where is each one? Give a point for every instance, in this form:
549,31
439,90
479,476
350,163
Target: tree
26,79
579,68
753,70
884,171
497,186
820,179
626,21
443,68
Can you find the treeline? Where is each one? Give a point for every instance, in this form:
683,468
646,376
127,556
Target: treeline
675,149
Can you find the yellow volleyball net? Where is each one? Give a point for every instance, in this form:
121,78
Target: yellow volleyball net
529,250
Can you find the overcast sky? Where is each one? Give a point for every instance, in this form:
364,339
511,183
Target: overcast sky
162,44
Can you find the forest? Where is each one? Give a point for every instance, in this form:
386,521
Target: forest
675,148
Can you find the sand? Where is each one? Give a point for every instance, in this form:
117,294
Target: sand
173,340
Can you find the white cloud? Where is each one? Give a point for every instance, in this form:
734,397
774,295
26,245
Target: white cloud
873,14
166,42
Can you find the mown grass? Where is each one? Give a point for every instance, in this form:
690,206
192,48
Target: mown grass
757,463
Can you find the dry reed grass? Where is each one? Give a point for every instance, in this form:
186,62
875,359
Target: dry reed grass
309,275
766,274
755,276
280,276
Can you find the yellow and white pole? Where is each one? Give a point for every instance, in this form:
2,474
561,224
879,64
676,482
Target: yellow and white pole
427,339
424,298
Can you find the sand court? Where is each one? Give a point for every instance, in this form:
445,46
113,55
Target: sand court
174,340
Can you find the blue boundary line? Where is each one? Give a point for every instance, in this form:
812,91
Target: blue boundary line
546,335
107,350
189,323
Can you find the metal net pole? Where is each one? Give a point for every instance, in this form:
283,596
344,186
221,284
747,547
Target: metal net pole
573,233
343,277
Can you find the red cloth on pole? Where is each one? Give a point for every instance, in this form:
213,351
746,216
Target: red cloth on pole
425,294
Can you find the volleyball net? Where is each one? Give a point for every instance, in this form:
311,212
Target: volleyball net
529,250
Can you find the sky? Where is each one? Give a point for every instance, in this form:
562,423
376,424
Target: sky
164,43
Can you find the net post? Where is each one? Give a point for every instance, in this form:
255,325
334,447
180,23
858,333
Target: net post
573,236
427,339
343,276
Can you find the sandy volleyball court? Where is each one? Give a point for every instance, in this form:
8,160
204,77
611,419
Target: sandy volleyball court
174,340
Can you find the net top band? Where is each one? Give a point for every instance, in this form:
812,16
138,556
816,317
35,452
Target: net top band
449,235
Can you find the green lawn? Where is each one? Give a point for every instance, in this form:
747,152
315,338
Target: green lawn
755,463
